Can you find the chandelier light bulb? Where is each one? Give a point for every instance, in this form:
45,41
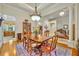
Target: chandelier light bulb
61,13
35,18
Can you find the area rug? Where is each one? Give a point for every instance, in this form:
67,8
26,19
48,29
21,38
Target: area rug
59,51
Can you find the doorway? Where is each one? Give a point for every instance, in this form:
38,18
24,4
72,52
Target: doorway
52,27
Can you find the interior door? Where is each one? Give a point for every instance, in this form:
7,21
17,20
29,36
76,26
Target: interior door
52,27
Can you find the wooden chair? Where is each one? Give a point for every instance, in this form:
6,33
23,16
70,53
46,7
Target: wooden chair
30,46
36,49
48,46
34,44
25,42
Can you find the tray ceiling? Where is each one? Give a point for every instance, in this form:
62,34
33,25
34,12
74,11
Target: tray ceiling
46,9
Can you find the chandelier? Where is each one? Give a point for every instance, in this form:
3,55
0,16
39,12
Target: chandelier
35,16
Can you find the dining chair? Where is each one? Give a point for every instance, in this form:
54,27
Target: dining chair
25,42
48,46
30,46
36,49
54,44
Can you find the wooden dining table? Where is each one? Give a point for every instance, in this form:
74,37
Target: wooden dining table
40,38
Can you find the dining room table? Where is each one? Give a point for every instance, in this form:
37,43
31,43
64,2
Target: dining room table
38,42
40,38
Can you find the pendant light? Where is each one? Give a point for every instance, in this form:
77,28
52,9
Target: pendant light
35,16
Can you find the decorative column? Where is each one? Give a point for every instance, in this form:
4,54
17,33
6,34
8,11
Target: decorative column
70,23
76,21
76,12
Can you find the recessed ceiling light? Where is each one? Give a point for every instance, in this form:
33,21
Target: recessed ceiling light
61,13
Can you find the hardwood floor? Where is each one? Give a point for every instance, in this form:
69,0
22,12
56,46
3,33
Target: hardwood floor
8,49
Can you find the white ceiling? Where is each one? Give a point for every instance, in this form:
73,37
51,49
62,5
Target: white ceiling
49,10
